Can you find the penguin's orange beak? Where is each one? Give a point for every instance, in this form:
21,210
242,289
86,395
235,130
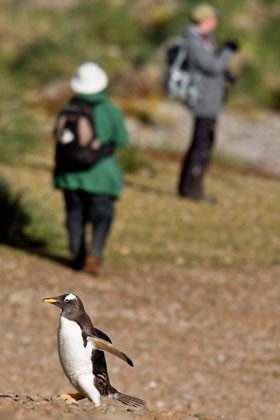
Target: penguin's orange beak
50,300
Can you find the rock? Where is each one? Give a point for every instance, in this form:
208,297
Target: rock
209,416
7,395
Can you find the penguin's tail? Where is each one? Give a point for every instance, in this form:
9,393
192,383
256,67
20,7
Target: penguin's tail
126,399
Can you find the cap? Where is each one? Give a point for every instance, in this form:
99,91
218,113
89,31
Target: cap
203,11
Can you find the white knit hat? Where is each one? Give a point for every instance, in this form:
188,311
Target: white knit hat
90,78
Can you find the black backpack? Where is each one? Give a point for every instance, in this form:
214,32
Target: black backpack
180,81
77,148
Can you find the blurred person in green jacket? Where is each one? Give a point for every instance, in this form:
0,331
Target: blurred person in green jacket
90,194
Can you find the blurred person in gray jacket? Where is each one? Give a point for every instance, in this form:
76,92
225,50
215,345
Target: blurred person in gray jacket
211,63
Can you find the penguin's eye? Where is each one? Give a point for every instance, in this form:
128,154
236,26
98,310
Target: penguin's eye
68,298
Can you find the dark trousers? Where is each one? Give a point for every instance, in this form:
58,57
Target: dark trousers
81,208
197,158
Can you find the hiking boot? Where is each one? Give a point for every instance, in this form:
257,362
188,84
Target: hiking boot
77,263
92,265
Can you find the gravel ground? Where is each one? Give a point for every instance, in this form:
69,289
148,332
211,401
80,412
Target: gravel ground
203,341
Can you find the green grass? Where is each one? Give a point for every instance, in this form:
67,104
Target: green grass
43,45
36,214
21,133
242,229
45,228
153,226
132,160
229,160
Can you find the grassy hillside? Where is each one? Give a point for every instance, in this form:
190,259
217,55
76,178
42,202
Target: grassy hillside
43,42
154,226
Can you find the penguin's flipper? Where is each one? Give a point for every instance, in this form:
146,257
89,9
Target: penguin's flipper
102,345
101,334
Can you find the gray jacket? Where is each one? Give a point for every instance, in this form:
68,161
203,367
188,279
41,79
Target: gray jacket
211,64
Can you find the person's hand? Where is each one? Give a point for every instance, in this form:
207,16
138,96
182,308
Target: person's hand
230,77
232,45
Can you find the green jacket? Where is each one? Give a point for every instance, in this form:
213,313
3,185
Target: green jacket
105,176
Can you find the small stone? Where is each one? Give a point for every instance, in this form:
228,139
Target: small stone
45,397
88,405
25,339
7,395
124,250
111,409
188,397
175,306
33,398
199,377
209,416
221,358
180,261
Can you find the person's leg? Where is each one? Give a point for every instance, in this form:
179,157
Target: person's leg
185,169
208,145
101,214
75,224
197,158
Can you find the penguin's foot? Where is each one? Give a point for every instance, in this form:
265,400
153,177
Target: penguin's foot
72,398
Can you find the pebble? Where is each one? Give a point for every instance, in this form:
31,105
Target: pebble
153,384
209,416
221,358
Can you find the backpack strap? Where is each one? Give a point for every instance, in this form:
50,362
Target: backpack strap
91,105
181,56
104,149
84,106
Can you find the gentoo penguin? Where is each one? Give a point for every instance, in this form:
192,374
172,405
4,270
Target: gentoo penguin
81,351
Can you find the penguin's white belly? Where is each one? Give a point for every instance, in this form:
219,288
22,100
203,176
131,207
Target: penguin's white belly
75,358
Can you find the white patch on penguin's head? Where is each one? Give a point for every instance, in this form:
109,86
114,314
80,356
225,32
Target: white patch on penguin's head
70,304
69,297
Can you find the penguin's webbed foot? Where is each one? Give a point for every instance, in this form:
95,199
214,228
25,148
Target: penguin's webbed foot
72,398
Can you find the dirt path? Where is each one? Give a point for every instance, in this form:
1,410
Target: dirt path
203,341
253,138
